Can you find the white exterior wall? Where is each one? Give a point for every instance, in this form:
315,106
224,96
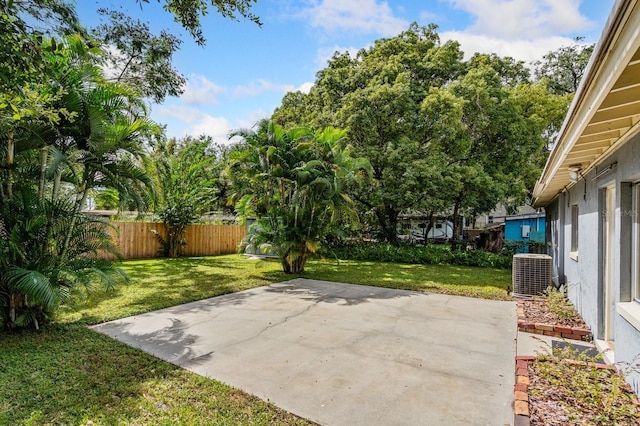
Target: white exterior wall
627,350
585,276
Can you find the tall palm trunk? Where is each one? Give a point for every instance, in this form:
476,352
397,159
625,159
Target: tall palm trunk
44,155
57,181
81,197
10,159
455,219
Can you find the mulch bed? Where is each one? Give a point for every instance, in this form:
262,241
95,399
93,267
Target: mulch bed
536,311
541,401
551,404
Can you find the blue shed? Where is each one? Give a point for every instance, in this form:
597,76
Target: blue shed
528,227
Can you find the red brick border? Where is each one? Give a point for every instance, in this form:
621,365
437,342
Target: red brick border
520,391
521,407
551,330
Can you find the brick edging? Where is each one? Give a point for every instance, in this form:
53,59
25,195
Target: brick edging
550,329
522,413
521,391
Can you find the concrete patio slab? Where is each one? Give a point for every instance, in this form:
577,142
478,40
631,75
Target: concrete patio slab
341,354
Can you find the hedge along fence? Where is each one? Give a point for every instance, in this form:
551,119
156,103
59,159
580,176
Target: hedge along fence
136,241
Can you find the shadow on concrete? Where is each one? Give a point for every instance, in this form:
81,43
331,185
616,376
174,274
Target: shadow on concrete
339,293
173,342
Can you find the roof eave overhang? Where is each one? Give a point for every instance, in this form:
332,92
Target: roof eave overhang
605,112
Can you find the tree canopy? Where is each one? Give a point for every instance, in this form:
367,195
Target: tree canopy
188,12
135,56
443,135
564,68
186,176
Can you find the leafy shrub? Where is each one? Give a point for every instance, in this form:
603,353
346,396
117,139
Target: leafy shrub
513,247
586,392
406,253
558,303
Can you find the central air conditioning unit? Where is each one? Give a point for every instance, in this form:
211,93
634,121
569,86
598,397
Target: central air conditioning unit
531,274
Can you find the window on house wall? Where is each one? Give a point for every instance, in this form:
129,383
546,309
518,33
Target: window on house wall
574,230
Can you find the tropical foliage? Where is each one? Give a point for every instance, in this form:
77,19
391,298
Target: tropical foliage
186,182
444,136
60,137
36,275
424,131
295,182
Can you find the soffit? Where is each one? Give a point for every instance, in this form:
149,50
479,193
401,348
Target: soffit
606,110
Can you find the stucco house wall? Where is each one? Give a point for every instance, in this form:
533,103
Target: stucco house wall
583,274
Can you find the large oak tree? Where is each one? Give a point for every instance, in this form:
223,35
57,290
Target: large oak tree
443,135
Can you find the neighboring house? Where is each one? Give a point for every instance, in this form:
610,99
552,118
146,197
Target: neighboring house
525,228
499,214
590,188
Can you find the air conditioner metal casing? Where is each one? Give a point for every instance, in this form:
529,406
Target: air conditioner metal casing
531,274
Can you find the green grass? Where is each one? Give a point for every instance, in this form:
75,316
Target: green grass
486,283
69,374
160,283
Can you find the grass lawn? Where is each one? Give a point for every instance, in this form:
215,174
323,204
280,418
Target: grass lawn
69,374
486,283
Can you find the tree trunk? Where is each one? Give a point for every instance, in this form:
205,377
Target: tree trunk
456,214
56,185
295,264
44,154
175,234
294,267
10,155
16,301
428,227
80,199
388,221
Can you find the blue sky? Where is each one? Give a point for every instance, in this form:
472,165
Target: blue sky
244,70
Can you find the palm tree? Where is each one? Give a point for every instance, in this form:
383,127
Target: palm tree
34,278
295,182
99,141
48,248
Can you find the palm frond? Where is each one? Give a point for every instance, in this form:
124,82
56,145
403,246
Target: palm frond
34,285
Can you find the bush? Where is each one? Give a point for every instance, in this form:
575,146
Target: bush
406,253
514,247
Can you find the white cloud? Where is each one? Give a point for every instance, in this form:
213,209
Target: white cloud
254,117
112,70
524,19
365,16
305,87
201,91
198,123
258,87
523,50
324,54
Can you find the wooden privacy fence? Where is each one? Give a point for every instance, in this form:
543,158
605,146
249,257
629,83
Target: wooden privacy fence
136,241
